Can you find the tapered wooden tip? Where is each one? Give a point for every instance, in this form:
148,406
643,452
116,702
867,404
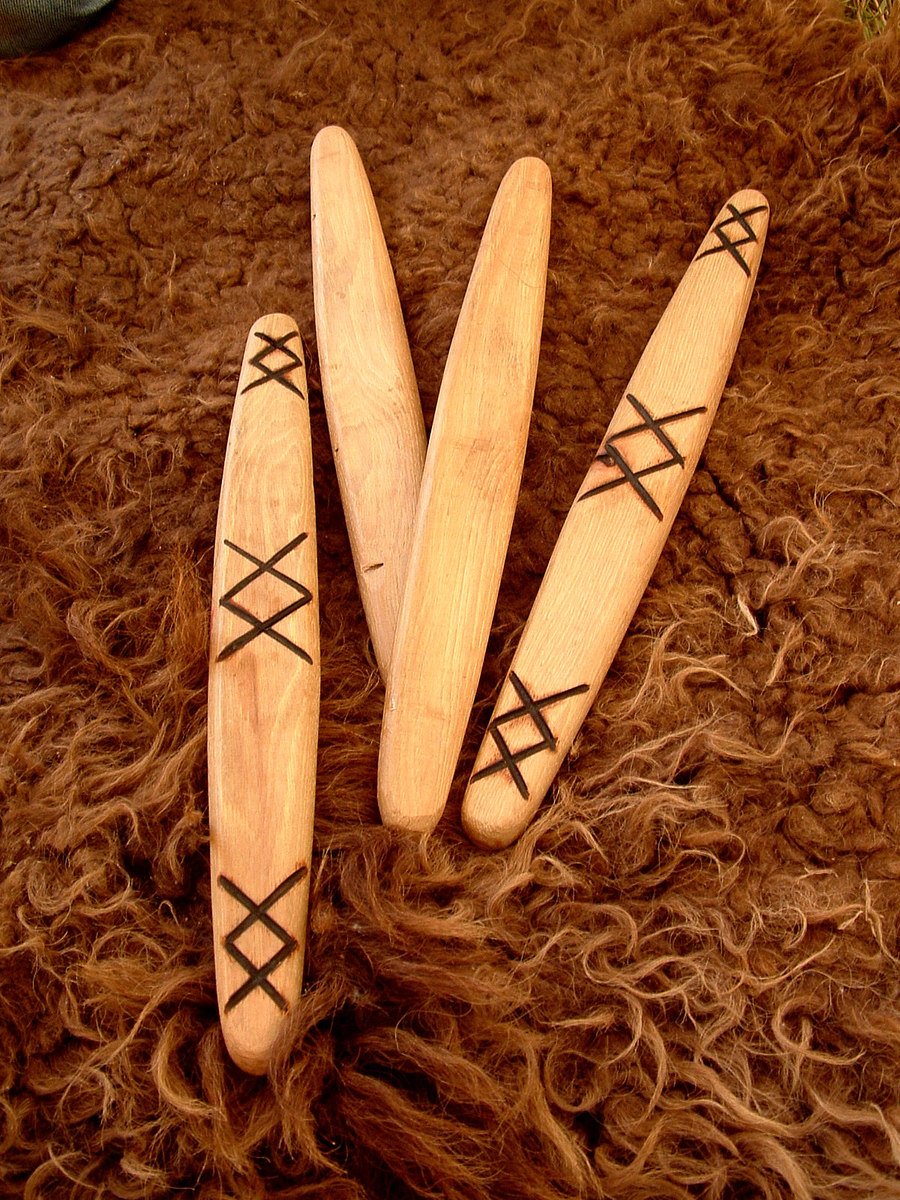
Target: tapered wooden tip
263,696
371,397
468,498
616,528
736,237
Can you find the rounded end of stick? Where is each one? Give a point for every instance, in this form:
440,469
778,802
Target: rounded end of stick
417,755
331,141
745,215
411,798
250,1054
404,818
735,241
274,324
273,361
750,201
749,198
253,1024
489,830
531,173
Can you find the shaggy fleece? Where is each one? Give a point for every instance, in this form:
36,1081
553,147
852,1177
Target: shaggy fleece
683,981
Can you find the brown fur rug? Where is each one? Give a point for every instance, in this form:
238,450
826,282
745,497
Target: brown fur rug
683,981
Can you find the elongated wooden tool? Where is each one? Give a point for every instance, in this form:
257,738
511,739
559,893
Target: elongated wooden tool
469,489
263,696
616,528
371,398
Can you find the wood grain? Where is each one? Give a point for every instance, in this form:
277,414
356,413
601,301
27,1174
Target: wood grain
371,398
468,498
263,696
616,528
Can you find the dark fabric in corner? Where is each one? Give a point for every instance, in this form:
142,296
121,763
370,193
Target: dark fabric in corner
28,26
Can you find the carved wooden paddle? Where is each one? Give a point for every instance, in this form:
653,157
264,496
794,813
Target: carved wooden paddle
263,696
468,497
616,528
371,398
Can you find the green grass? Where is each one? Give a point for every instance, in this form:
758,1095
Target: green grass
871,14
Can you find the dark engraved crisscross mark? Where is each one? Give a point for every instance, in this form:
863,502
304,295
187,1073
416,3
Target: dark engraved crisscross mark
610,455
731,245
257,627
258,977
272,345
508,761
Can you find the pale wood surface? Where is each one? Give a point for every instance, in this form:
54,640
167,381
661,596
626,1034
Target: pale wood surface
263,693
469,490
611,539
371,398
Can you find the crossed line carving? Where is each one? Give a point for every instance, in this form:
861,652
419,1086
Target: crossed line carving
258,977
267,627
508,761
736,218
610,455
280,374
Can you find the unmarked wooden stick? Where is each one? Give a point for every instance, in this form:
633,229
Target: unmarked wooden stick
263,696
616,528
467,502
371,397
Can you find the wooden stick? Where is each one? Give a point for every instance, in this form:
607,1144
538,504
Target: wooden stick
616,528
371,398
468,497
263,696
